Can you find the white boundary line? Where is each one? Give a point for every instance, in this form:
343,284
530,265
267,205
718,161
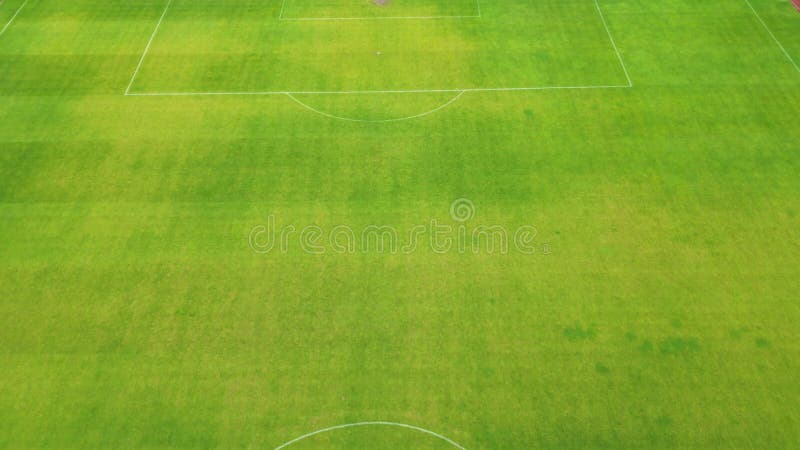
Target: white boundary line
764,24
362,424
311,19
147,49
613,43
13,17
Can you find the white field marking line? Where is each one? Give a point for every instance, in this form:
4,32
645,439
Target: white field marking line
280,15
410,91
322,19
318,19
613,43
396,91
362,424
147,49
400,119
13,17
764,24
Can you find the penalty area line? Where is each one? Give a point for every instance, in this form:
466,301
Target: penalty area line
8,24
459,93
147,48
772,35
410,91
283,5
613,43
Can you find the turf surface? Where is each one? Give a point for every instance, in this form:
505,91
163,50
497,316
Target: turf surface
134,314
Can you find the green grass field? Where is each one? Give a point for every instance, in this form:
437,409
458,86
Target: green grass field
149,149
